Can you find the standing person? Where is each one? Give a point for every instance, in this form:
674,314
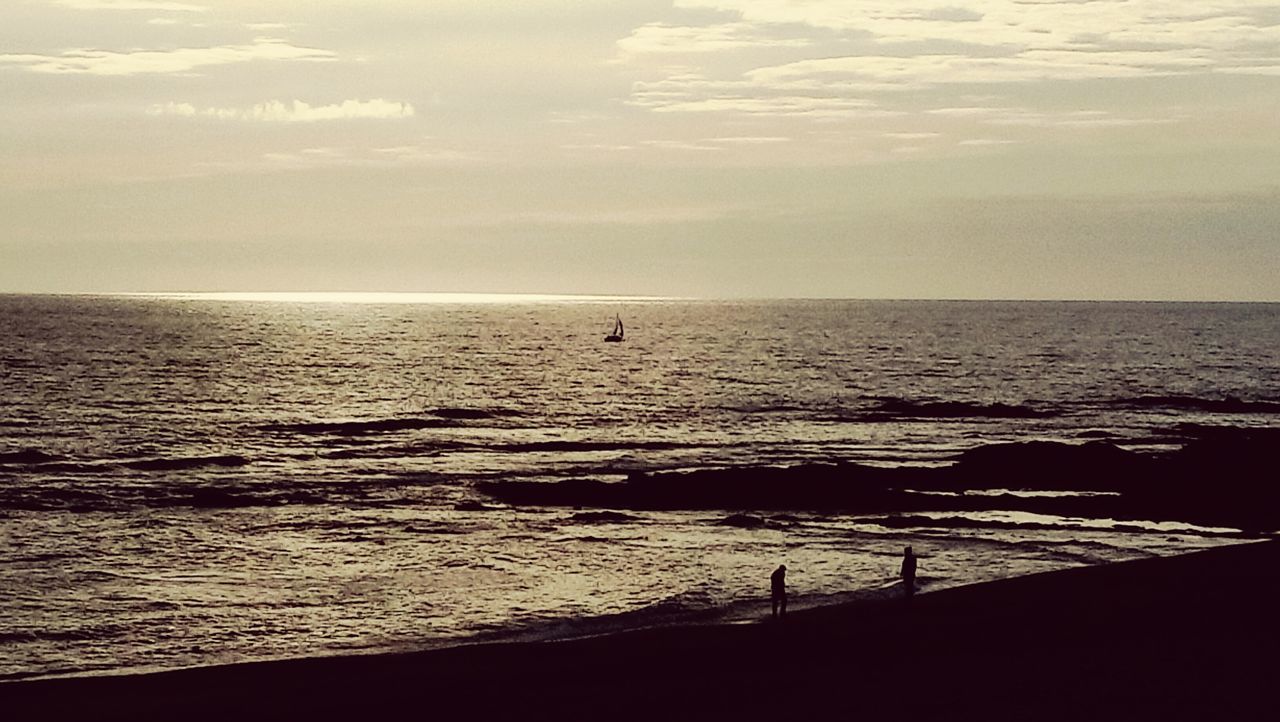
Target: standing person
908,572
778,585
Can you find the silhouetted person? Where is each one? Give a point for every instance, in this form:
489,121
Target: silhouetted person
778,584
908,572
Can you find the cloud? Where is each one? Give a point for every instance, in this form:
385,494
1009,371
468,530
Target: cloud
750,139
705,144
1013,116
872,72
790,105
1072,119
1020,24
593,147
349,156
1252,70
294,112
660,38
679,145
692,93
986,142
846,51
177,61
963,111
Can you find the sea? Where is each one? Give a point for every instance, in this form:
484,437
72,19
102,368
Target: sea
192,480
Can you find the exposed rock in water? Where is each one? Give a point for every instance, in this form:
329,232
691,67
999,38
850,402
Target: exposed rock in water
743,521
1094,466
602,517
809,486
186,462
27,456
1222,477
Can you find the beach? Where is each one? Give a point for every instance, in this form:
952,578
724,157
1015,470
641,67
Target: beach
1188,637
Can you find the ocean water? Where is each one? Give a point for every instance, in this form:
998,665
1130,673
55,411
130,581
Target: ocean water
193,480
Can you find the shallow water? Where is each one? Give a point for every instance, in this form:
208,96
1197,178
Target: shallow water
193,481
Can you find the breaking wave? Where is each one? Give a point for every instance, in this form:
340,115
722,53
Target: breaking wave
185,462
69,496
356,428
429,419
35,460
472,414
958,409
963,522
1225,405
437,447
593,446
893,409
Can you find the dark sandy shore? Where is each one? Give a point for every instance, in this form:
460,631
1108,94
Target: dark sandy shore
1192,637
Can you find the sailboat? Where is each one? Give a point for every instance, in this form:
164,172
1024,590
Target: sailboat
618,331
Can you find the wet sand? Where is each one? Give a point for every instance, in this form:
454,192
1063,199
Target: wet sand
1191,637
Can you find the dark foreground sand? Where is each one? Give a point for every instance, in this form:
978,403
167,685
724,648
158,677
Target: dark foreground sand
1192,637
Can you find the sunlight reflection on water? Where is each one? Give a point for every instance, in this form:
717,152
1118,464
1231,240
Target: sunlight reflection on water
391,297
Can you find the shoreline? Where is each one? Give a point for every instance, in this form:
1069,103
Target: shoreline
1148,639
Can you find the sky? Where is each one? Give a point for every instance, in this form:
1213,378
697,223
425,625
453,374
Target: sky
1057,149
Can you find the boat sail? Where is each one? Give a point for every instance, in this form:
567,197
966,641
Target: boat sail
618,331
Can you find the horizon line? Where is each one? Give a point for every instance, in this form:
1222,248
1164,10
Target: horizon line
386,297
410,297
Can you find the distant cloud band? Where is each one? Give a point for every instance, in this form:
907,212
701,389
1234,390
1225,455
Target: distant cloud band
177,61
293,112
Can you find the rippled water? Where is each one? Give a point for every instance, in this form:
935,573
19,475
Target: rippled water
191,481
